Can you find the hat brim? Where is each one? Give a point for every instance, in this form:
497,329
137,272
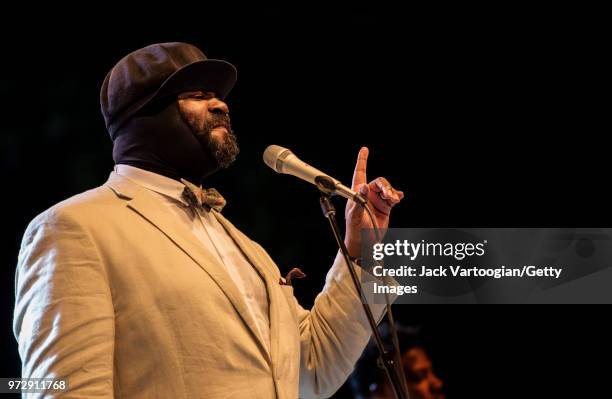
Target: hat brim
213,75
217,76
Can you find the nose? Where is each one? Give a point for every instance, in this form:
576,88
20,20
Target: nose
217,106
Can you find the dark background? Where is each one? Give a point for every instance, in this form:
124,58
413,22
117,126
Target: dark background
483,117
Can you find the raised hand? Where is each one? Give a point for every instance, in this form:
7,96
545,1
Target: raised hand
381,198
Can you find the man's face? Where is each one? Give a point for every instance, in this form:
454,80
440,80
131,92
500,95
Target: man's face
208,118
423,383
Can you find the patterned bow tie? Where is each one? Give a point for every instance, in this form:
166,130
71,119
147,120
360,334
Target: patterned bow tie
207,197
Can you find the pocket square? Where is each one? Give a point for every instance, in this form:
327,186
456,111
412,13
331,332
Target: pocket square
293,273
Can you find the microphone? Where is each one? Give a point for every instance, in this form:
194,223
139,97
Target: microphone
282,160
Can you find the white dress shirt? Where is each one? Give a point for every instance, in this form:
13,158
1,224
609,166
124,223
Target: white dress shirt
207,229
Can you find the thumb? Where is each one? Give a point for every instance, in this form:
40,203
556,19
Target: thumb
364,189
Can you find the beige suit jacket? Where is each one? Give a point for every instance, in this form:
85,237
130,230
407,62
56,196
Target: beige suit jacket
116,297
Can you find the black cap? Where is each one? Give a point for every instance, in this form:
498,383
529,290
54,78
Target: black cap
156,71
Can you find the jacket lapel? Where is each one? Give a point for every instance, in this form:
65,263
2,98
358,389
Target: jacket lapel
139,200
246,246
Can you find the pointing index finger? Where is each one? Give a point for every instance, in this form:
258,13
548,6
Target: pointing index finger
359,176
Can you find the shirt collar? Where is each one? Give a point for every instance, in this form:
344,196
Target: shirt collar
152,181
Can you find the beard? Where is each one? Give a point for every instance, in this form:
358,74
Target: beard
224,149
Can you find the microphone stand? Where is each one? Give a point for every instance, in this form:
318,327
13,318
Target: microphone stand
386,358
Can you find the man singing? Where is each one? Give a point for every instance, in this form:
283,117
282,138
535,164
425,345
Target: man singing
140,288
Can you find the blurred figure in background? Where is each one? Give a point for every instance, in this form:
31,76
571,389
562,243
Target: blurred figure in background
369,381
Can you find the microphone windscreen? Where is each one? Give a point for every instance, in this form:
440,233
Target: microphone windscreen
272,154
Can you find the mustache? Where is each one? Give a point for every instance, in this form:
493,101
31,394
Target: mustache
220,120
